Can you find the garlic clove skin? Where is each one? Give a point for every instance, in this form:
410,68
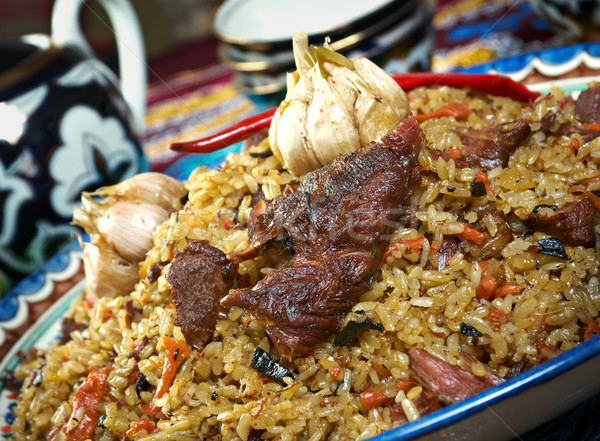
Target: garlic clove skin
333,106
152,187
107,273
128,226
330,122
299,157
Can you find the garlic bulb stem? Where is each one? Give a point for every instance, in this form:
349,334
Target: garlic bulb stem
333,106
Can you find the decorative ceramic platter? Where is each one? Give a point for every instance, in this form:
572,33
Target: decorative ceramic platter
31,315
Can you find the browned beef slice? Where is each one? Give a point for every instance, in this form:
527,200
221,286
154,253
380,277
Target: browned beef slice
488,148
449,247
572,225
492,246
568,130
337,221
587,105
200,275
449,383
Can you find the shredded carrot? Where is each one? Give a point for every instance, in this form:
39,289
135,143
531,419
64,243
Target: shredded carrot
176,352
454,152
416,245
227,223
472,235
574,145
590,329
372,398
381,370
483,177
483,264
511,288
457,110
335,372
143,424
497,314
487,288
405,384
88,398
592,126
541,346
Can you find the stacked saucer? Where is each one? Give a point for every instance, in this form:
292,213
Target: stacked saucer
256,37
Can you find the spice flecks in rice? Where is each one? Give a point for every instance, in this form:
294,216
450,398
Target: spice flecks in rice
216,395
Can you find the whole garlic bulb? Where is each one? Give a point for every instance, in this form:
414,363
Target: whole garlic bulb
333,105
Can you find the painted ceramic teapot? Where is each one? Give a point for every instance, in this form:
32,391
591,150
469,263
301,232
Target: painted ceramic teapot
67,125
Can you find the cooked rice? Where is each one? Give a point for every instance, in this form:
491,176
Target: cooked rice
217,395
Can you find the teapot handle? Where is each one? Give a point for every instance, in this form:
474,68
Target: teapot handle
66,30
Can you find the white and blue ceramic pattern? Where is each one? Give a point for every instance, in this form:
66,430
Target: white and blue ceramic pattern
498,414
67,126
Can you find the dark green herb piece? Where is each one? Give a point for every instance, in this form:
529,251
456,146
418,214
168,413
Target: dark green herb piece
553,247
264,363
101,421
469,331
537,207
478,189
353,329
263,154
213,395
288,243
141,385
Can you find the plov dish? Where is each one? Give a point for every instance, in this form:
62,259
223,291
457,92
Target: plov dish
454,252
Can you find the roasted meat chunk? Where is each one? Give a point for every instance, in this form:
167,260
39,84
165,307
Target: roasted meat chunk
572,225
488,148
587,105
200,275
448,382
337,221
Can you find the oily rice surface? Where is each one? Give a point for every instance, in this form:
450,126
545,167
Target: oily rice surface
215,394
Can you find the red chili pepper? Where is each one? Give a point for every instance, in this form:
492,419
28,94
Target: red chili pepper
497,85
88,396
229,136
